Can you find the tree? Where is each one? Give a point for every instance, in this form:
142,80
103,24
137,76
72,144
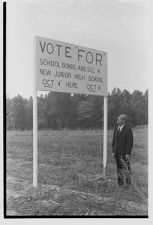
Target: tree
28,113
10,114
17,113
58,110
114,103
42,120
136,100
85,114
63,110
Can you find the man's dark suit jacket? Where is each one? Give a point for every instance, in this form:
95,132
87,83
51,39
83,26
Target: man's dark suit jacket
122,142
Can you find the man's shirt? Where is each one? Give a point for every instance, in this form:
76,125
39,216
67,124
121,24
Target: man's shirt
120,128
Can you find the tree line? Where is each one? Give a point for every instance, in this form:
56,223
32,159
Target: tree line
64,110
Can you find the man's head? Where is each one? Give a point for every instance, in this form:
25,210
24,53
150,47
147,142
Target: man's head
121,119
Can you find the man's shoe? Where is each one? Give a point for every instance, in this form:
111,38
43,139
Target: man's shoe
128,181
126,186
120,185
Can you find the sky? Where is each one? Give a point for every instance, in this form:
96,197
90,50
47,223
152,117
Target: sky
115,26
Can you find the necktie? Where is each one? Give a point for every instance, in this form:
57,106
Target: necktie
119,129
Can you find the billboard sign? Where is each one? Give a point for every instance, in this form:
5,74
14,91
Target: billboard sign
64,67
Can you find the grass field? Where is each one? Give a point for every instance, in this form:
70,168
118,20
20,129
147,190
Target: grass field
70,175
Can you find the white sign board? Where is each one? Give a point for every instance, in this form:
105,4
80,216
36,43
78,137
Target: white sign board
64,67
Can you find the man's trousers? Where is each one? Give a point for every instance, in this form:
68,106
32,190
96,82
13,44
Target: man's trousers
123,171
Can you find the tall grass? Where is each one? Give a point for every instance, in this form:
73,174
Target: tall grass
70,175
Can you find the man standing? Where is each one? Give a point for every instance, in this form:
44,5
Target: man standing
122,144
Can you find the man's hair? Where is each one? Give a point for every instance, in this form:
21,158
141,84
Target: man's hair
123,117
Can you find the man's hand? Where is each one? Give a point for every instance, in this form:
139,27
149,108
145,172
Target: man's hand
127,157
113,155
